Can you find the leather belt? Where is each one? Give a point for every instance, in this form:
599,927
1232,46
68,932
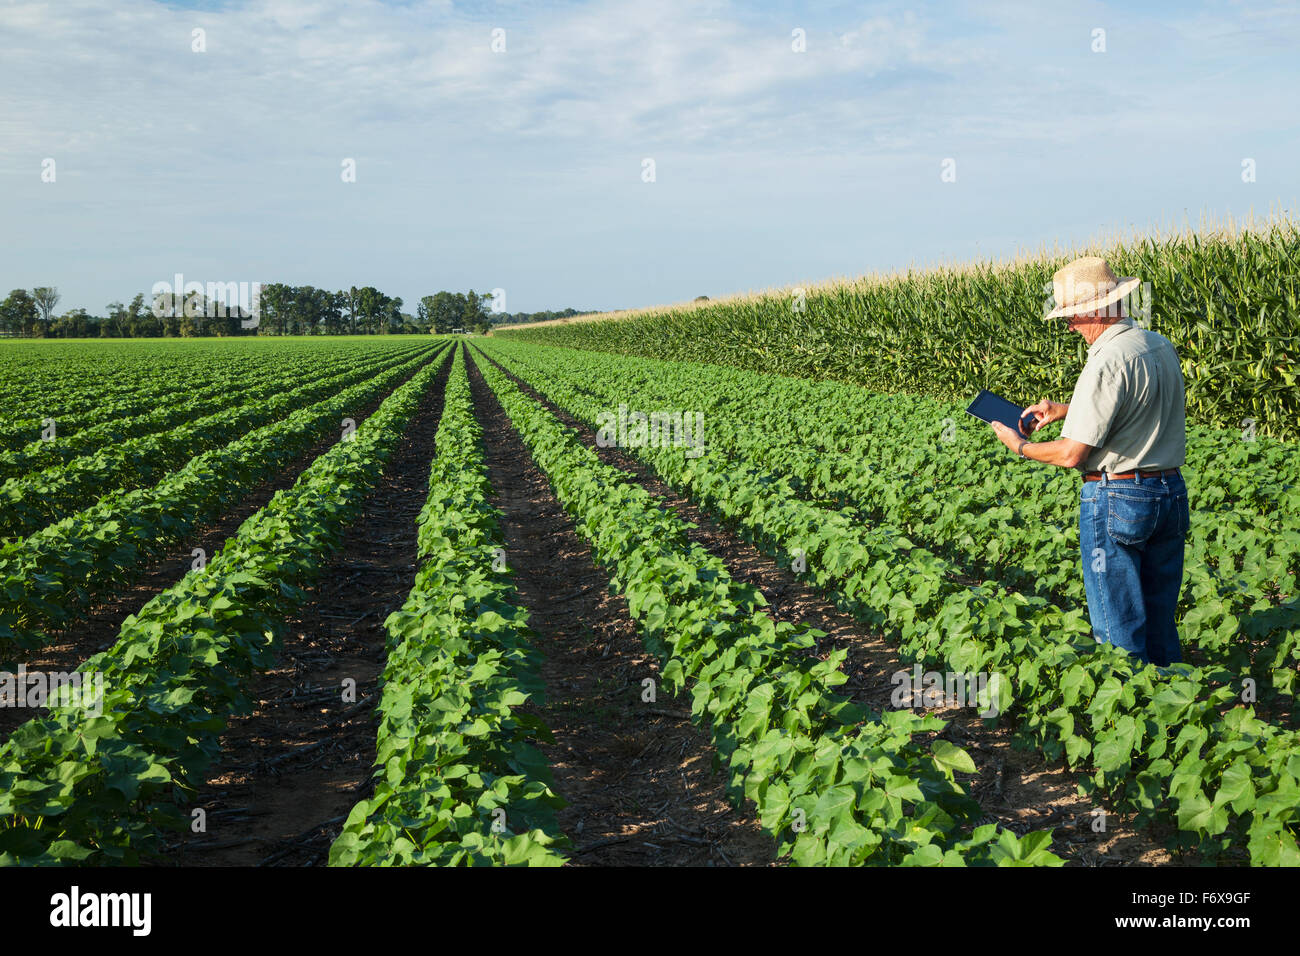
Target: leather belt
1096,475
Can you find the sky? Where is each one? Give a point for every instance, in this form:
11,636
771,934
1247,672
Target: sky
617,154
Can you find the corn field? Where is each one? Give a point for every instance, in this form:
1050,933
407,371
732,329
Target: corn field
1227,299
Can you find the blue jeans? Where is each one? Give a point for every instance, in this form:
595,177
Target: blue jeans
1132,532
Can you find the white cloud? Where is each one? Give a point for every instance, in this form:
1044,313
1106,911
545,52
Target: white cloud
457,145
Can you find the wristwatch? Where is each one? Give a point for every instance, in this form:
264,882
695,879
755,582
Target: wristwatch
1021,450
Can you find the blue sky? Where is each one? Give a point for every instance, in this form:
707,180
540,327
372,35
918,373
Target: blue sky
522,169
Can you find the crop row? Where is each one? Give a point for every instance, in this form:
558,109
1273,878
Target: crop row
91,782
32,501
242,387
967,500
833,783
457,778
49,578
1169,747
81,386
88,392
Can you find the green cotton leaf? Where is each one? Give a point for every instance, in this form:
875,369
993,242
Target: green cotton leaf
1106,698
807,850
1110,753
173,701
125,783
672,674
831,805
155,772
1010,850
529,849
1077,749
1035,849
1272,845
1236,787
929,855
68,852
1174,698
1185,782
903,788
1197,815
513,698
774,803
951,757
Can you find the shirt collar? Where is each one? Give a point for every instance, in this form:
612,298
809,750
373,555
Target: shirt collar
1119,327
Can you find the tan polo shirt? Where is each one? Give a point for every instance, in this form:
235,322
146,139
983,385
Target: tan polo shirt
1129,402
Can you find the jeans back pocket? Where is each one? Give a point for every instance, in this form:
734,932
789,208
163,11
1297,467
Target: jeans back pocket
1131,519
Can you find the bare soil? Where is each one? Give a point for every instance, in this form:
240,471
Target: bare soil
292,770
99,629
1017,788
638,776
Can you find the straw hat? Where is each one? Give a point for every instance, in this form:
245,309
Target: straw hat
1087,285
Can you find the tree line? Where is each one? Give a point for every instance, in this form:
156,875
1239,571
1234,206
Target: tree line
282,310
514,318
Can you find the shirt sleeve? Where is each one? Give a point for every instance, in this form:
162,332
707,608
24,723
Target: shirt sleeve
1093,406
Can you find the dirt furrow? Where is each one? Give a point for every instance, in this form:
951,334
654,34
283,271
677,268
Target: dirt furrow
292,770
1018,789
637,775
99,629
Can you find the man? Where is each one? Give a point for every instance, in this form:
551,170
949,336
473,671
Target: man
1125,429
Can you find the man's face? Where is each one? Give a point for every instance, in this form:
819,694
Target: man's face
1077,322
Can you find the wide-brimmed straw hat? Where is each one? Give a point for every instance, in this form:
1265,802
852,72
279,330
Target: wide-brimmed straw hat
1087,285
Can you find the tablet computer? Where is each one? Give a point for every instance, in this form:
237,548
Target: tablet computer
988,407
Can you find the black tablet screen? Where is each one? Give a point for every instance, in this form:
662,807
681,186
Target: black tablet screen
990,408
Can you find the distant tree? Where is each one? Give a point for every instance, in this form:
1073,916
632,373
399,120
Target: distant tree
191,315
303,310
184,314
333,307
443,310
350,307
297,311
226,321
424,310
46,297
140,320
317,311
377,314
285,310
276,302
475,317
18,313
168,309
370,309
115,322
74,324
508,318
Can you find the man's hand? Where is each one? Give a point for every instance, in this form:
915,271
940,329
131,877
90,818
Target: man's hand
1007,436
1065,452
1044,413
